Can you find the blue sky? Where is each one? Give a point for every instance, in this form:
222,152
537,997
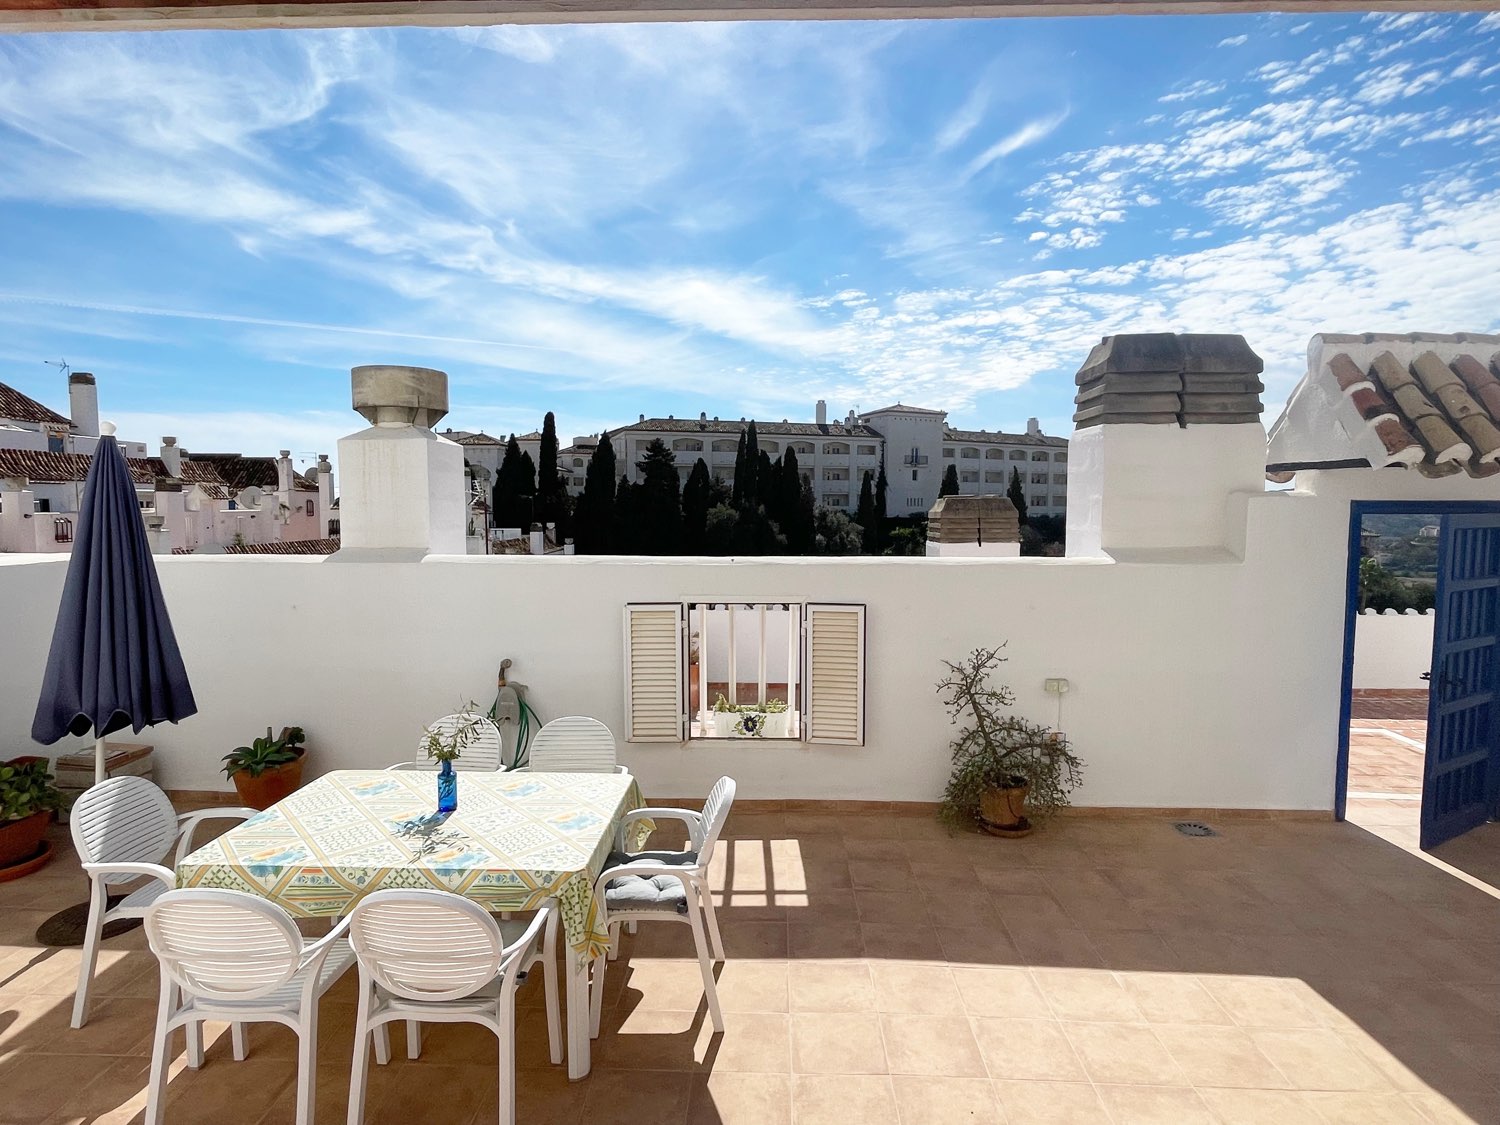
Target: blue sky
738,218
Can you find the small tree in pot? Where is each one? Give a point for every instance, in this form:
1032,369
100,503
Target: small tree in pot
1004,767
268,769
27,801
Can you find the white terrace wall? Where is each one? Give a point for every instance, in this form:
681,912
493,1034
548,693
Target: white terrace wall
1392,650
1194,684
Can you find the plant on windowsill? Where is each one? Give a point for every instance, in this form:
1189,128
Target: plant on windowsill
27,800
1004,767
269,769
771,719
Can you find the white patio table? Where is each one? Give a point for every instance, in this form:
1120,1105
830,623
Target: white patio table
516,841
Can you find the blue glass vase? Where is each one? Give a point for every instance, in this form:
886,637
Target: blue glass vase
447,788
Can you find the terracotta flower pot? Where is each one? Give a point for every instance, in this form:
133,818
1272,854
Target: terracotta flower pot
22,839
1002,810
273,785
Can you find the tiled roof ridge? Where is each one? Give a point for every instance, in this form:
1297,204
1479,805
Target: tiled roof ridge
1438,416
763,429
22,407
49,467
1002,437
1408,338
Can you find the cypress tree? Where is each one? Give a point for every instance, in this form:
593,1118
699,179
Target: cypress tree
750,486
865,516
798,531
526,490
738,493
551,496
807,518
881,511
594,519
949,487
1017,494
697,498
658,503
626,522
507,493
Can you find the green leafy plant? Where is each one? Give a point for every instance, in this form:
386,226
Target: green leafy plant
26,789
996,750
265,753
769,707
444,744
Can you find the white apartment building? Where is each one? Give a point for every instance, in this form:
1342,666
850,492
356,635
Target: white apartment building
916,442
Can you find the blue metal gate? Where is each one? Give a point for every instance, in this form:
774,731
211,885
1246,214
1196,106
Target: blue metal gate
1461,776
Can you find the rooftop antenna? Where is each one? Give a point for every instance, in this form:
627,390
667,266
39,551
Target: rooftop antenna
61,364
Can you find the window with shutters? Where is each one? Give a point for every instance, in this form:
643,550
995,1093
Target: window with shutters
748,671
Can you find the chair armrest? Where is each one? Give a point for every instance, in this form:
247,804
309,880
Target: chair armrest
694,822
409,764
647,870
152,870
516,951
187,824
314,952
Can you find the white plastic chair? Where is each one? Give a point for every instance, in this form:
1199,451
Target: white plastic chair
482,754
662,886
574,744
123,829
432,956
228,955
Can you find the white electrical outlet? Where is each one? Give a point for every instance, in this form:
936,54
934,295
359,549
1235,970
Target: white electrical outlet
1055,686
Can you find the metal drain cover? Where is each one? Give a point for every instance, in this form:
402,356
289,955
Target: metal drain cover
1194,828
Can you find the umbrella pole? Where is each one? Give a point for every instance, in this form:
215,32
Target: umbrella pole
98,760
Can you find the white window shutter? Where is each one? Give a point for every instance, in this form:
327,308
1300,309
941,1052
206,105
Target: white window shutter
654,678
834,674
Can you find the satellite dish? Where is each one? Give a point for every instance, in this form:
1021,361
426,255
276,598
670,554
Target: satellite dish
250,497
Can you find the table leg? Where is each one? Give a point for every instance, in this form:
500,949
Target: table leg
576,965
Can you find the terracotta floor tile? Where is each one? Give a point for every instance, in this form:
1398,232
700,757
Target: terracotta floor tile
1257,1107
657,1097
1369,1109
1123,1053
752,986
1086,994
648,1040
736,1099
831,987
751,1043
1051,1103
1173,998
889,906
1319,1060
1155,1105
1056,948
999,991
893,941
931,1045
824,940
1022,1049
1219,1056
840,1099
839,1043
991,945
914,988
945,1101
1260,1001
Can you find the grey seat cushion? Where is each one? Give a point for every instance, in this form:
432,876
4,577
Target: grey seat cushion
638,892
674,859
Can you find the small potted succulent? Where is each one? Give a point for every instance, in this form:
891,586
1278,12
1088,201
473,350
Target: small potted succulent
1006,771
770,719
27,800
444,742
269,769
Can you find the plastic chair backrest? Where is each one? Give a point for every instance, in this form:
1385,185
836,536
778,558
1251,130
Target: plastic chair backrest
573,744
123,820
222,944
425,945
483,753
715,815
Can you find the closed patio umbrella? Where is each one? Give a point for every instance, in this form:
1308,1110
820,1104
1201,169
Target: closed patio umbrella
114,661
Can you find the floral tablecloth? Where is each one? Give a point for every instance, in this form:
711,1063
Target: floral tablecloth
516,840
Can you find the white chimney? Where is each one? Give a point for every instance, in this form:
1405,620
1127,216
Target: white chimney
325,494
822,412
83,403
171,457
1033,427
284,474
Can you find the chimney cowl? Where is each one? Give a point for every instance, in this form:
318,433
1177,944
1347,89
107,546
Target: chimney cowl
400,396
81,378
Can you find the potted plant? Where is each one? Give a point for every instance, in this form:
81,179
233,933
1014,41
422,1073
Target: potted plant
269,768
770,719
27,801
444,742
1007,772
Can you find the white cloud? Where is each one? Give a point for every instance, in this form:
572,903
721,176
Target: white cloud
1038,129
1234,41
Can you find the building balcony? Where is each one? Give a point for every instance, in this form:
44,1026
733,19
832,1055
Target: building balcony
912,459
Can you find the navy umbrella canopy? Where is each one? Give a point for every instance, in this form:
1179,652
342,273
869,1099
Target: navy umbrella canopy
114,661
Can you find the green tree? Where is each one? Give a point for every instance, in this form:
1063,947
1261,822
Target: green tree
511,504
865,516
697,498
949,487
626,531
837,534
907,541
807,518
882,512
658,501
740,475
594,516
720,529
749,487
797,520
1017,494
551,495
